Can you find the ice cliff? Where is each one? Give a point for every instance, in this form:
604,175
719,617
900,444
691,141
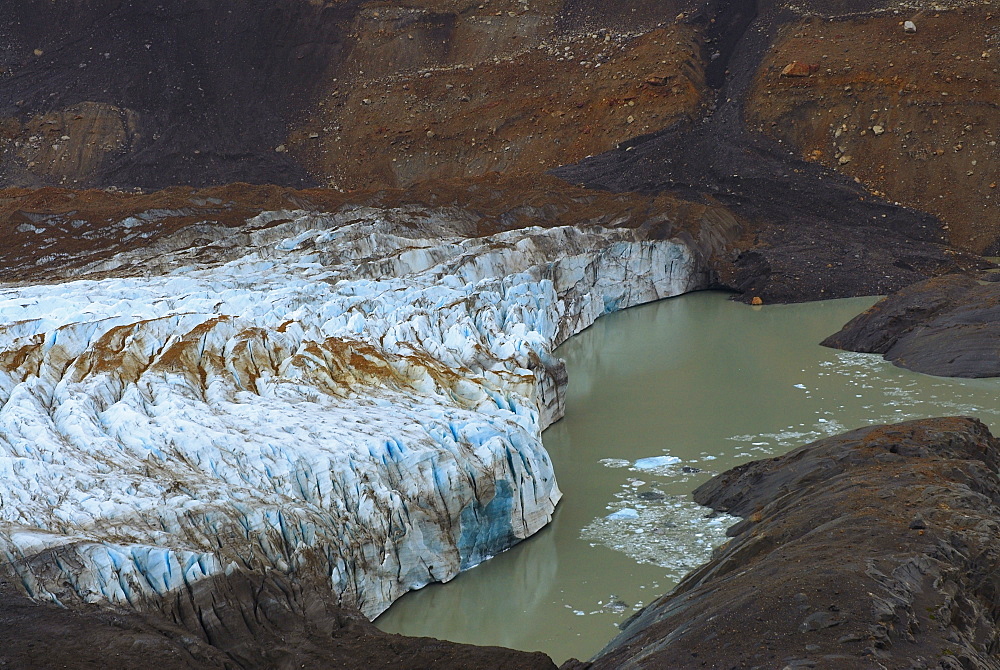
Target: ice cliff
347,398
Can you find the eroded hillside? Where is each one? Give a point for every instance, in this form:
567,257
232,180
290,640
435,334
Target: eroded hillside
350,94
913,116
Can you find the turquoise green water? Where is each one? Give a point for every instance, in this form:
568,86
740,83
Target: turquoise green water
700,379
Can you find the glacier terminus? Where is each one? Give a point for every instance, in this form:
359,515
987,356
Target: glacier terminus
355,399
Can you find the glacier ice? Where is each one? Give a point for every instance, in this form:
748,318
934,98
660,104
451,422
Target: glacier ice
654,462
353,399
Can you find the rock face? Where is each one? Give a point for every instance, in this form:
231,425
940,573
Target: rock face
947,326
875,548
353,399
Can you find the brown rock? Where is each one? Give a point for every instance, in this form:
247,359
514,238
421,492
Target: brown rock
798,69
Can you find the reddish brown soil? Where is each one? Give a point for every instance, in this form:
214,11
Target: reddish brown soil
915,117
53,233
544,100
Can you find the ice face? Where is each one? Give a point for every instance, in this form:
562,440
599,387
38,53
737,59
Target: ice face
352,401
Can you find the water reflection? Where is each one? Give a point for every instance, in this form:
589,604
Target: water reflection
711,384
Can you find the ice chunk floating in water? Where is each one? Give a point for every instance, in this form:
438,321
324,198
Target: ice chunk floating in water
355,401
625,513
654,462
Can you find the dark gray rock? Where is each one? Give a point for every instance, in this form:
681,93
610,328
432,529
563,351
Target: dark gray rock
827,573
947,326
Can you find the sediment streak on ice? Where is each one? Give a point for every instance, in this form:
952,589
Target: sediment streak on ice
352,402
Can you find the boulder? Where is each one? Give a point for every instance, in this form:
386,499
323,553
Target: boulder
798,69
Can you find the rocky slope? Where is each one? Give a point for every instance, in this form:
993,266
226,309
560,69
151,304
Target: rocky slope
946,326
876,548
913,116
811,227
240,621
348,94
363,94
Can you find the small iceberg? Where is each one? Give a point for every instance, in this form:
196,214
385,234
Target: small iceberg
654,462
623,514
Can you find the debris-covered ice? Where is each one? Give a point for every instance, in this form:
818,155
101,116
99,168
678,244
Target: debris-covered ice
349,399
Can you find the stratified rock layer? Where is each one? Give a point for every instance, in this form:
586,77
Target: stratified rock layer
948,326
877,548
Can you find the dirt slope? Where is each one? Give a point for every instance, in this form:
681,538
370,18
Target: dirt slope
349,94
914,116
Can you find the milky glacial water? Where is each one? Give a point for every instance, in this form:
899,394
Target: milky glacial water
698,384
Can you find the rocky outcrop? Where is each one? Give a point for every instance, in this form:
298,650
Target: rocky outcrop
877,548
947,326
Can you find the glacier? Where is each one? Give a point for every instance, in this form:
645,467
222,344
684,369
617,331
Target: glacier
354,399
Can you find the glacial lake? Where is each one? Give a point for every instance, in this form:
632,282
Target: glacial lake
695,385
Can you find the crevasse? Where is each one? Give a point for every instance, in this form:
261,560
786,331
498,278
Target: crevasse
358,403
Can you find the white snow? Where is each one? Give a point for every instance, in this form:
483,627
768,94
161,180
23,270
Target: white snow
352,400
